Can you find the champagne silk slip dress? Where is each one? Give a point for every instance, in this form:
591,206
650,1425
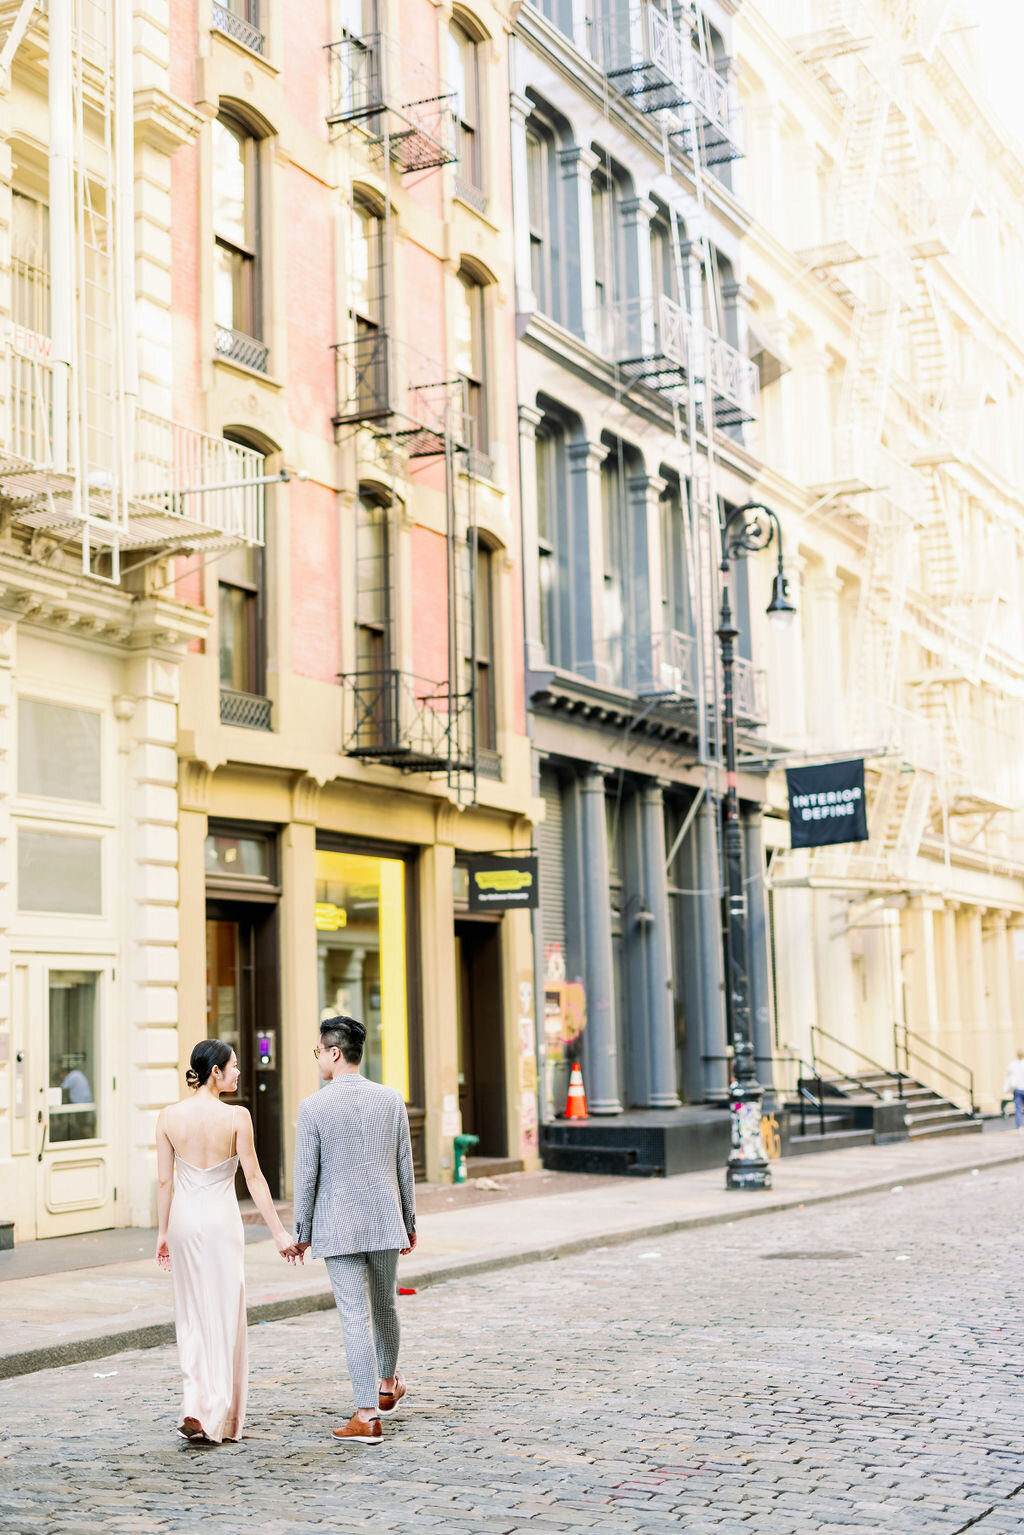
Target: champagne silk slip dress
206,1242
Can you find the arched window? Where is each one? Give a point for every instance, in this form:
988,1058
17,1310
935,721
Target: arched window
464,82
552,491
236,233
368,301
675,591
241,624
471,357
484,680
373,571
545,210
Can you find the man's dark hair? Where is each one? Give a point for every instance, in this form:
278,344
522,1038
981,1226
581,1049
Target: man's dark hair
348,1034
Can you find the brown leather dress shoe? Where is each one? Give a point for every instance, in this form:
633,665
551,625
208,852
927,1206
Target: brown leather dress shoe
358,1432
387,1401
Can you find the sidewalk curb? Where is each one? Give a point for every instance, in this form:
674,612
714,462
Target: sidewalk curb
81,1350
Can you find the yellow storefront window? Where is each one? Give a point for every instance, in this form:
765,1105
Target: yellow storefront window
360,921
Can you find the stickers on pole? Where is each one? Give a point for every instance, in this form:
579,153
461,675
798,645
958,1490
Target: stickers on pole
826,804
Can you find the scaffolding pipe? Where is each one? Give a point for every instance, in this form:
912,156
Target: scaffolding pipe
62,285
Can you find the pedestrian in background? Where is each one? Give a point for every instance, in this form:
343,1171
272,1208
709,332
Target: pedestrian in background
355,1205
200,1143
1015,1084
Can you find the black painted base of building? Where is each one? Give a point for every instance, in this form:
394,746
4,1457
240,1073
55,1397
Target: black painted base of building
644,1143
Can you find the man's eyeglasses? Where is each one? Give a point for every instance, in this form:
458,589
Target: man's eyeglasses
318,1048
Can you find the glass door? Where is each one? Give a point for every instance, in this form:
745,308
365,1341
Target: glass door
67,1102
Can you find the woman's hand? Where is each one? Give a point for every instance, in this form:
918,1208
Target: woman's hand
163,1255
287,1247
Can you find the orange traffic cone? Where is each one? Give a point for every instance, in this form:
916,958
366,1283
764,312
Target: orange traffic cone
576,1103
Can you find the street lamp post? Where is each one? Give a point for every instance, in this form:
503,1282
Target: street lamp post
747,529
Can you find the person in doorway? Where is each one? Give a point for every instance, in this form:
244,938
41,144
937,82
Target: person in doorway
200,1143
1015,1085
355,1206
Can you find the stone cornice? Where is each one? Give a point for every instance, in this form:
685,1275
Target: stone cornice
69,603
163,121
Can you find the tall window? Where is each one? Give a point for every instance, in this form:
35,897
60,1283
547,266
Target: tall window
675,596
373,580
664,274
544,204
367,290
559,12
241,614
486,718
604,247
464,81
236,232
551,485
30,263
470,356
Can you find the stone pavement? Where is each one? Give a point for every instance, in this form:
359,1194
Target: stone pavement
851,1367
59,1318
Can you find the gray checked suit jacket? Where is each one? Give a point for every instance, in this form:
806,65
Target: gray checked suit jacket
353,1169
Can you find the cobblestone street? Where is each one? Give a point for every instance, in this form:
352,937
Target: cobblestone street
852,1367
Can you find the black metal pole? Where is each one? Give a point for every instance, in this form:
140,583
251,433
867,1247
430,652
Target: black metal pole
748,1166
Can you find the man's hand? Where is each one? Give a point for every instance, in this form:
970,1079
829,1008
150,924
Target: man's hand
405,1251
302,1247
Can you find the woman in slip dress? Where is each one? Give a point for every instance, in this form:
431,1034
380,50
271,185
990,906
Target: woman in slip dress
200,1143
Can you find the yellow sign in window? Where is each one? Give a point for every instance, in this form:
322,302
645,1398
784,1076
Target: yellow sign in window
361,948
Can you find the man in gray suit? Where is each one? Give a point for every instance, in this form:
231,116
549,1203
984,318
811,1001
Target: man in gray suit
355,1206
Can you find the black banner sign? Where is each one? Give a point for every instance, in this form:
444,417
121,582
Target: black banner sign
826,804
498,883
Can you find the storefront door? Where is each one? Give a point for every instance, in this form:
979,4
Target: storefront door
65,1089
242,1009
481,1035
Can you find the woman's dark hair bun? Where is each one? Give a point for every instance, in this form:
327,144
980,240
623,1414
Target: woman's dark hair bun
206,1055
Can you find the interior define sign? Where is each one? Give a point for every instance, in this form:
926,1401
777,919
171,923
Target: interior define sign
499,883
826,804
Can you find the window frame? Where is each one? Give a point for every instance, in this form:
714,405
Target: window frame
256,608
468,96
247,305
484,656
475,382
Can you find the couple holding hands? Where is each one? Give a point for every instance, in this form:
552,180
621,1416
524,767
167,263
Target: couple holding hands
354,1206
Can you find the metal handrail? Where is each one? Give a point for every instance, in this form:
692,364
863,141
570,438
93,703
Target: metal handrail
885,1071
804,1093
909,1034
865,1087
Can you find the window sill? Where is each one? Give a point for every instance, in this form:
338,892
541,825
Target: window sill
488,764
240,370
245,711
247,50
472,197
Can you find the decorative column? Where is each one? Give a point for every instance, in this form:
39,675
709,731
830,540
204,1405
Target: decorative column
757,944
577,167
815,436
948,969
973,1000
299,968
824,657
638,285
1000,1040
601,1050
583,592
529,420
659,1023
642,491
713,1024
526,300
148,710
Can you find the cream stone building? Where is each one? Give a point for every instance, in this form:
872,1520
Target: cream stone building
260,607
886,261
